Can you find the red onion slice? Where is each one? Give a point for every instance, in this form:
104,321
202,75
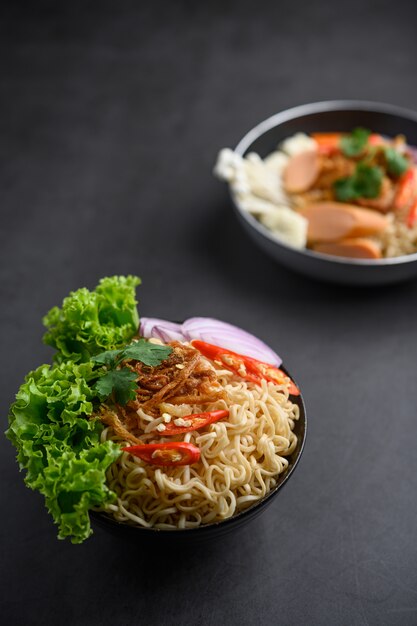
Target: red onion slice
212,331
228,336
160,329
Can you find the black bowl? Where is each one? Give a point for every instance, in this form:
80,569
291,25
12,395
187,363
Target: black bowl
215,529
337,115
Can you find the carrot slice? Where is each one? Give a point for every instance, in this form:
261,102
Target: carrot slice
330,142
328,139
327,142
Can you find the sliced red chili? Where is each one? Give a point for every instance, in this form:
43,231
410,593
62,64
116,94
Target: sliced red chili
246,367
412,215
232,361
276,375
406,190
166,454
198,420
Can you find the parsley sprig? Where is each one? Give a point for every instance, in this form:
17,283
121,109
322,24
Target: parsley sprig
120,382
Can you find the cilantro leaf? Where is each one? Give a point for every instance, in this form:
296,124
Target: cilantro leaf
143,351
368,180
364,183
109,357
345,189
147,353
352,145
397,164
120,382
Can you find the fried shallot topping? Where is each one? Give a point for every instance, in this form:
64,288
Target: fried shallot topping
110,418
185,377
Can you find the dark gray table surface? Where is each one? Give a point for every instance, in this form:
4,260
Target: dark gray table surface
111,115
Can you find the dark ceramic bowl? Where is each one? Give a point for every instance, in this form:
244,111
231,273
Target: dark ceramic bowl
337,115
216,529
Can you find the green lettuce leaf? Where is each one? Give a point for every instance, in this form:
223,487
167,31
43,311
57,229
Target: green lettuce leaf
59,447
92,321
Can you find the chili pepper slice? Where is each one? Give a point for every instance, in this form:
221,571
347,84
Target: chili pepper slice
328,143
198,420
232,361
406,189
246,367
275,375
412,215
166,454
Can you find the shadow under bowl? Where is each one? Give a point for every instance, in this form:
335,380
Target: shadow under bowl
207,532
330,116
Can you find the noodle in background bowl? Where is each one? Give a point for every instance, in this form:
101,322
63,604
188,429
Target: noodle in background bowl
331,116
218,528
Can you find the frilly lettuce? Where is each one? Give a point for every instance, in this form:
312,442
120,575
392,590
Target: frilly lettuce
92,321
50,424
60,447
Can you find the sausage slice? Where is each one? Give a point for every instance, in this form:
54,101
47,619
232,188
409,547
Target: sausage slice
350,248
301,172
332,221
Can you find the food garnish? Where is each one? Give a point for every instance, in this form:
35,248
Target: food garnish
407,189
92,321
354,144
119,383
50,423
397,164
166,454
246,367
365,182
412,215
195,421
212,331
122,381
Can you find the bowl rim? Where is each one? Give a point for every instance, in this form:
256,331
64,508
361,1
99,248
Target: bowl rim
105,519
292,113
